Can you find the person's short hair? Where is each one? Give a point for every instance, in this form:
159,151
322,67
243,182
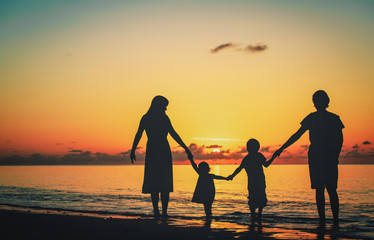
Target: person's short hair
204,166
253,145
321,99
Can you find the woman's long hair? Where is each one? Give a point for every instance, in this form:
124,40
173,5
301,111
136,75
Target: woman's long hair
158,106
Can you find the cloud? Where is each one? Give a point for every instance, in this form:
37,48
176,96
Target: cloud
125,153
213,146
296,155
256,48
250,48
75,151
242,150
204,153
265,149
59,144
366,143
221,47
219,139
356,154
129,151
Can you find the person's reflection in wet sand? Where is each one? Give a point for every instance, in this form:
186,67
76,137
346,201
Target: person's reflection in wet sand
332,233
321,232
207,224
252,228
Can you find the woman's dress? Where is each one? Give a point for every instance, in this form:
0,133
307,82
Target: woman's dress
205,190
158,171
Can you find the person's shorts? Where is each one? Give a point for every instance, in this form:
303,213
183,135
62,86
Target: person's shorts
323,175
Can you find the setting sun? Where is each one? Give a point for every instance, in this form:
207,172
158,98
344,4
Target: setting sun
217,150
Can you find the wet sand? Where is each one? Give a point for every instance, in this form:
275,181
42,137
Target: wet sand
34,223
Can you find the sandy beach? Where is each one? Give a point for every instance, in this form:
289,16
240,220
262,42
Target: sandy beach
35,223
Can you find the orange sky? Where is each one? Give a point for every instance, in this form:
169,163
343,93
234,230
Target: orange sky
82,80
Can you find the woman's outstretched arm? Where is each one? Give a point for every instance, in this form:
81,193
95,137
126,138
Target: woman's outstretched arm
137,138
194,165
178,139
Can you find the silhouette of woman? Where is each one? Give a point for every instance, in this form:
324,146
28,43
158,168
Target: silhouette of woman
158,171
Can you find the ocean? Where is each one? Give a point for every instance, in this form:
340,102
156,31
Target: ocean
117,190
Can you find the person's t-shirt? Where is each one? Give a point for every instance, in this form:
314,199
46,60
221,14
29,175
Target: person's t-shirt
252,163
324,129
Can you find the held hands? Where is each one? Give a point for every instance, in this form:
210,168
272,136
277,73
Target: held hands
189,154
231,177
277,153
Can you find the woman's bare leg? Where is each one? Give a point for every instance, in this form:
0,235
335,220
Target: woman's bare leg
155,197
165,202
208,210
259,217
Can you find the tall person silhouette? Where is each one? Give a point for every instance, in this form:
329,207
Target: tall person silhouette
326,140
158,171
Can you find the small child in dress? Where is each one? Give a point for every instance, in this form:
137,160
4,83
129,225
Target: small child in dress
205,190
252,163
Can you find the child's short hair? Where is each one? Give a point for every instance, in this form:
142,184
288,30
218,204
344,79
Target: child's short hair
253,145
204,166
320,99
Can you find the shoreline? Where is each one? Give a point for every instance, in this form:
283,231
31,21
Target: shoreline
38,223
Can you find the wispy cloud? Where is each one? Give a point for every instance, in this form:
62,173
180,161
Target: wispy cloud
256,48
221,47
213,146
75,151
249,48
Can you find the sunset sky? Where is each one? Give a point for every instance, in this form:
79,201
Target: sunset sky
78,75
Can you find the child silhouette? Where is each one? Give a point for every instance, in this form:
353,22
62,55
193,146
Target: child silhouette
252,163
205,189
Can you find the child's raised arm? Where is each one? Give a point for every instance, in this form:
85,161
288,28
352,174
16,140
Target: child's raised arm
267,163
220,177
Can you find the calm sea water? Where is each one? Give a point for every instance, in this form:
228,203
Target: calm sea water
117,189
